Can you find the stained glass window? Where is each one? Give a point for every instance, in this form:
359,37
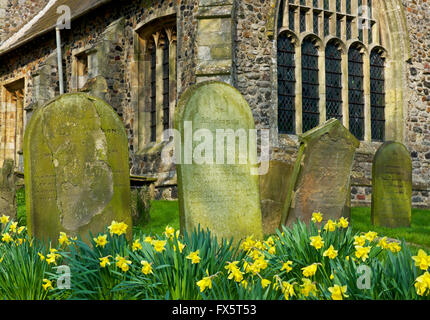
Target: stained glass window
356,92
333,68
310,85
286,84
153,94
377,96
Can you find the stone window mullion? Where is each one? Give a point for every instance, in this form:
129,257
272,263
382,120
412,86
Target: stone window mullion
172,74
299,90
159,86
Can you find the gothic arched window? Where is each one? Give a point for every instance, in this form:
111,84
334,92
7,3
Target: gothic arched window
333,81
286,84
377,95
310,85
356,92
330,73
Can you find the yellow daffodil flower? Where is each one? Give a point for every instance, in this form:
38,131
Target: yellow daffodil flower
359,241
343,223
148,240
4,219
169,232
6,237
308,287
117,228
101,241
317,242
330,252
422,260
370,236
362,252
47,284
394,247
136,245
422,284
122,263
104,261
330,226
146,267
265,283
338,292
159,245
317,217
194,257
309,271
287,266
63,239
206,282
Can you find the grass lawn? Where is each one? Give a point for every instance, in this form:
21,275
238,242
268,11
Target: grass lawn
165,212
418,233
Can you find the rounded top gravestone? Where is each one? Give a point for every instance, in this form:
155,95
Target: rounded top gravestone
76,168
392,186
216,187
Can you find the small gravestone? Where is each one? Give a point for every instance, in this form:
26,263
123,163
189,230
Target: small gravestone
392,186
8,190
321,176
273,192
76,168
221,191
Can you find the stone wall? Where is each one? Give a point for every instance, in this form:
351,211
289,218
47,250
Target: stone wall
109,36
15,13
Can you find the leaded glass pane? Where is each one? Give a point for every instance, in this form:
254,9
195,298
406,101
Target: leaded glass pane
333,65
326,4
302,21
338,27
310,85
338,6
315,3
286,85
303,2
291,14
316,23
370,36
356,93
326,25
166,102
348,29
377,96
153,125
360,29
348,6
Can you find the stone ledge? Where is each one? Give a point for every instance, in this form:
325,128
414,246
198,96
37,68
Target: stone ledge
214,12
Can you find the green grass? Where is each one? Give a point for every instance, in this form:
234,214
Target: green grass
165,212
418,233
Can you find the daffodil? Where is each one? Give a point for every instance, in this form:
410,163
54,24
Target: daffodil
169,232
359,241
236,274
330,252
370,236
47,284
6,237
394,247
231,266
159,245
422,284
287,290
206,282
136,245
343,223
52,256
4,219
180,245
422,260
265,283
194,257
330,226
146,267
309,271
101,241
248,244
21,229
317,217
317,242
383,243
362,252
104,261
287,266
338,292
148,240
63,239
13,226
122,263
308,287
117,228
41,256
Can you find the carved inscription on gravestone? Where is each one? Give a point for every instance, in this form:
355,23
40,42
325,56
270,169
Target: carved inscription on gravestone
392,186
76,168
321,177
221,193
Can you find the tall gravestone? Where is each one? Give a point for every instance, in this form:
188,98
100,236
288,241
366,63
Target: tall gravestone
76,168
8,189
220,194
392,186
273,192
321,176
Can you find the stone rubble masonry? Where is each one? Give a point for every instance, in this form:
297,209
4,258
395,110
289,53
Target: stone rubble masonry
228,40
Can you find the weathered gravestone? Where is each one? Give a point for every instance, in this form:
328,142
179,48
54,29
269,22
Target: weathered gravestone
321,176
273,192
8,190
392,186
76,168
220,194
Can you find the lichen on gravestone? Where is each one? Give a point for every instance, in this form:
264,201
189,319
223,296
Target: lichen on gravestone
76,168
